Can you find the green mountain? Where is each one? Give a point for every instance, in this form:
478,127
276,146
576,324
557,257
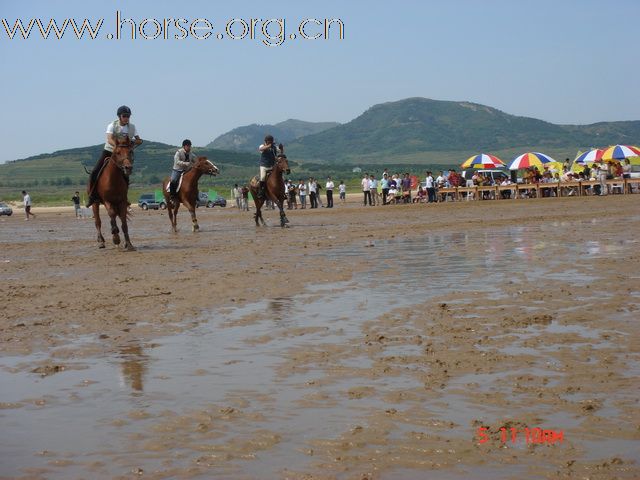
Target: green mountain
248,138
420,130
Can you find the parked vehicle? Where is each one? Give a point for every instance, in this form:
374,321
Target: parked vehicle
205,201
148,201
496,175
217,202
5,209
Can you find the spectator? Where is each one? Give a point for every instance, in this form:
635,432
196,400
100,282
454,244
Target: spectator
26,198
236,193
342,188
245,198
302,192
373,188
384,184
76,203
312,193
329,188
366,189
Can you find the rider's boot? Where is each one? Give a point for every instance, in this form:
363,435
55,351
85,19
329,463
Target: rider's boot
93,196
262,190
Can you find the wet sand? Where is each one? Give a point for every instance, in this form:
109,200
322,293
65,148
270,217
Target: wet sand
380,342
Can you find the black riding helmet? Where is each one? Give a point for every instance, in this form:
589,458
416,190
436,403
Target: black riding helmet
186,142
124,110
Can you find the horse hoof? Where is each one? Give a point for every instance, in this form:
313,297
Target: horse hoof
101,245
130,248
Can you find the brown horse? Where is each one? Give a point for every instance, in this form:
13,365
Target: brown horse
188,193
112,188
274,190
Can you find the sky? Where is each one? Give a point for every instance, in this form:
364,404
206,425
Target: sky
563,61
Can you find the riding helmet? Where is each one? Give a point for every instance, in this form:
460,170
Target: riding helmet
124,110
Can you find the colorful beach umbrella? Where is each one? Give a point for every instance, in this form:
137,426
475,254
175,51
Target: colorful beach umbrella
530,159
620,152
482,161
591,156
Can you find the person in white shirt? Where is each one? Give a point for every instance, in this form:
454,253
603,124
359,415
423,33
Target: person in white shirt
116,130
431,190
302,192
26,199
366,189
329,190
342,188
311,187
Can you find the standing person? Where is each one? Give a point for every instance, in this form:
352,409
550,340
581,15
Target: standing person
267,161
245,198
384,183
302,192
603,170
26,198
183,161
312,193
119,129
76,203
236,193
291,189
329,188
342,188
431,190
406,188
366,189
373,187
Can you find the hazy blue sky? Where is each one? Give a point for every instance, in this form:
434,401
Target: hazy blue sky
560,61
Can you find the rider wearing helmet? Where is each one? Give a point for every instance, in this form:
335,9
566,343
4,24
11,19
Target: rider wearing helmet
268,154
183,160
118,129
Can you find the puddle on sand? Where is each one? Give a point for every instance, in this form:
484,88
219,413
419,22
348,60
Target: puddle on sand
112,411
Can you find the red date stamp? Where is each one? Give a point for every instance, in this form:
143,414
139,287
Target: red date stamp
531,436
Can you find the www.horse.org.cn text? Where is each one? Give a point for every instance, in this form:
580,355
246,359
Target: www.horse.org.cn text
271,32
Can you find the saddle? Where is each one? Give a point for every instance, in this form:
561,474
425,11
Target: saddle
168,189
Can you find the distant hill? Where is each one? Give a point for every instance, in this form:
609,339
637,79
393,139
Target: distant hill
420,130
248,138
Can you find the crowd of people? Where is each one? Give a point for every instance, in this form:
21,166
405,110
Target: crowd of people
400,188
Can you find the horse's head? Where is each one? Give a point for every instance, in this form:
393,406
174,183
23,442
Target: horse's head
283,164
122,155
206,166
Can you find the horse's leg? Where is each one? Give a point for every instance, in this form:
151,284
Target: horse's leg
113,214
125,228
283,217
194,221
172,215
96,215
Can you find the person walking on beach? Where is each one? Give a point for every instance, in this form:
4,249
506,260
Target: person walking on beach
342,189
26,198
76,203
245,198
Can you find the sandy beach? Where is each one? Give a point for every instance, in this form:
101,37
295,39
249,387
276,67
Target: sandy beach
396,342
